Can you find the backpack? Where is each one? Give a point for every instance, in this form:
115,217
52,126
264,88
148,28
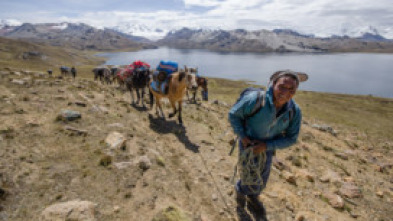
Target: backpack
167,66
260,100
258,105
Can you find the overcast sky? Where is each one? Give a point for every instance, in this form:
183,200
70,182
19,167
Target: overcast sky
320,17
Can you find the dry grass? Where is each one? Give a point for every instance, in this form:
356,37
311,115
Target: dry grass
49,57
371,115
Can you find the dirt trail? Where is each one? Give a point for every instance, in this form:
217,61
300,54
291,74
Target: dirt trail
47,161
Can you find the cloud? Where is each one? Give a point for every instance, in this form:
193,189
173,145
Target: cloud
202,3
320,17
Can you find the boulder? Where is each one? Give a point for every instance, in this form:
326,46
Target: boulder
115,140
72,210
144,163
123,165
289,177
325,128
341,155
305,174
69,115
76,130
350,190
330,176
334,200
19,82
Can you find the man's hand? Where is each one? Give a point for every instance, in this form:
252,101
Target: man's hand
259,148
246,142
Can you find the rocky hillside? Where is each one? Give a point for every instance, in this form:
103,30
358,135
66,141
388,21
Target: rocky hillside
16,53
78,36
272,41
77,150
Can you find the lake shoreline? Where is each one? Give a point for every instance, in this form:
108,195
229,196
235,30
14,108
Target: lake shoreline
365,74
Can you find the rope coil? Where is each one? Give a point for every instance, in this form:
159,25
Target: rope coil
250,168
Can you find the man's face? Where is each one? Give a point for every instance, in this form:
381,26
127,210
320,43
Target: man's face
283,90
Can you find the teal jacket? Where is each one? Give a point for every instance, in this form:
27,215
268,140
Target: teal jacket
277,132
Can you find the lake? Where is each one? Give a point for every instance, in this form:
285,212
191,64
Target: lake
348,73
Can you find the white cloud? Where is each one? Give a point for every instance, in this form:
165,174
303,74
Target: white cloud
320,17
201,3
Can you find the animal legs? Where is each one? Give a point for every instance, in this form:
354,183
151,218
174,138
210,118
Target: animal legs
194,96
143,97
159,107
173,104
179,116
132,95
138,95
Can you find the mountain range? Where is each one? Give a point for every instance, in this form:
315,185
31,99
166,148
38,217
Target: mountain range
78,36
135,36
278,40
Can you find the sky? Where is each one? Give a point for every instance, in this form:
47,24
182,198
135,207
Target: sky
320,17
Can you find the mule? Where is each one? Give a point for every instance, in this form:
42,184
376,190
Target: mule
64,70
113,73
178,83
103,73
121,75
202,83
138,80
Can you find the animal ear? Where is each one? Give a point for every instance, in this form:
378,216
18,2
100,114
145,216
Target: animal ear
182,75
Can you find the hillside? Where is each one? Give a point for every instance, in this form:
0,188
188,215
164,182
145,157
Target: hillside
271,41
76,36
18,53
151,168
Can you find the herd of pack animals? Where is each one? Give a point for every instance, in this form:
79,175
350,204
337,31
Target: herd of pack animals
180,83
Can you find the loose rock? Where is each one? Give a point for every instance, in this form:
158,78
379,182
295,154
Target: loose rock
72,210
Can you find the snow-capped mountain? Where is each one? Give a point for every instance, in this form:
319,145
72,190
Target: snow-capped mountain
152,33
74,35
9,22
359,31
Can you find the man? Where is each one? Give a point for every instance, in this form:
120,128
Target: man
73,72
275,125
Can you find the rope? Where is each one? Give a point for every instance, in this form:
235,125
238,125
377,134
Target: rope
215,184
250,169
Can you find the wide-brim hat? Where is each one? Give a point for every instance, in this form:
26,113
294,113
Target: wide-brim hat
300,76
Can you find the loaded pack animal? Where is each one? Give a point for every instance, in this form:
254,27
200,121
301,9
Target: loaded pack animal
121,75
202,83
64,70
178,83
113,73
102,73
138,80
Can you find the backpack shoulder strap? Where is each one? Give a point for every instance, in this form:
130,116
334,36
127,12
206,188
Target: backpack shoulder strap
259,104
292,110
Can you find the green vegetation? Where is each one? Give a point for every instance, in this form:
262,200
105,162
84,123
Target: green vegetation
171,214
363,113
367,114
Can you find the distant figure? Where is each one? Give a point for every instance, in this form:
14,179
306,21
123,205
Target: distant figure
73,72
50,72
64,70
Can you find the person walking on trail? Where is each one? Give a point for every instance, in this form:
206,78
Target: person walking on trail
73,72
264,122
